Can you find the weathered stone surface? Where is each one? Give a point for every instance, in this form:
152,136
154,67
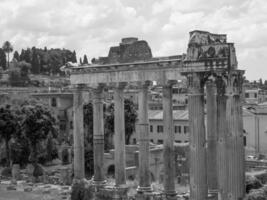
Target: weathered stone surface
168,147
129,50
29,189
98,135
119,137
211,137
78,135
81,190
143,131
11,187
197,139
16,171
65,177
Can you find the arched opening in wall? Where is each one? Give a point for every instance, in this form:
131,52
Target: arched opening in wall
152,177
131,177
111,171
245,140
54,102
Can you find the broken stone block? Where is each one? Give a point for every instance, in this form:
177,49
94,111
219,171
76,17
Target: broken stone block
16,171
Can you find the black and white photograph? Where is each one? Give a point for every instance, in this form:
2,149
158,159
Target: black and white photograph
133,100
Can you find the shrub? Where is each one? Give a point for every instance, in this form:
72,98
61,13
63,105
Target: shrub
252,183
6,172
38,171
258,194
262,177
19,152
81,191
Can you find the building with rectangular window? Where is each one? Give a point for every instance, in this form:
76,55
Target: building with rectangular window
156,127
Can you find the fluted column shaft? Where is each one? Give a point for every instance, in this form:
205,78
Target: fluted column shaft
119,137
78,135
98,126
235,146
143,130
168,148
211,137
198,170
222,161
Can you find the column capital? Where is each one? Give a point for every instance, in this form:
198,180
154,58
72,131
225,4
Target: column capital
196,83
234,83
98,93
144,84
170,83
230,83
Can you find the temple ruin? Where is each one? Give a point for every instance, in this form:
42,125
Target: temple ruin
210,63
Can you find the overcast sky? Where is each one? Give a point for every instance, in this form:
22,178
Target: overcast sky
92,26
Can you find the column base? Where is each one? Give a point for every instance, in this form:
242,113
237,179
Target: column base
113,192
81,188
98,184
213,194
144,193
144,189
170,195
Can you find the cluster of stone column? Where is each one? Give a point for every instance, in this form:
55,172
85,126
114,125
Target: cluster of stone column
216,155
144,186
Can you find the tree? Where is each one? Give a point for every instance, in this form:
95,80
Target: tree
18,75
27,55
2,59
35,62
73,57
81,62
16,55
8,127
37,124
85,60
8,48
130,119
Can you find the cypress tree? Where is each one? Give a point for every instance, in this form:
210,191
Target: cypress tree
35,62
16,55
27,56
85,60
2,59
74,59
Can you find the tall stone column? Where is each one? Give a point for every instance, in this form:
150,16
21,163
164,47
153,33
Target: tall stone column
168,148
98,137
235,142
211,138
197,139
143,131
222,161
119,137
78,134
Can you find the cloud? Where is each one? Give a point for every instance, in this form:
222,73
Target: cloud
92,26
